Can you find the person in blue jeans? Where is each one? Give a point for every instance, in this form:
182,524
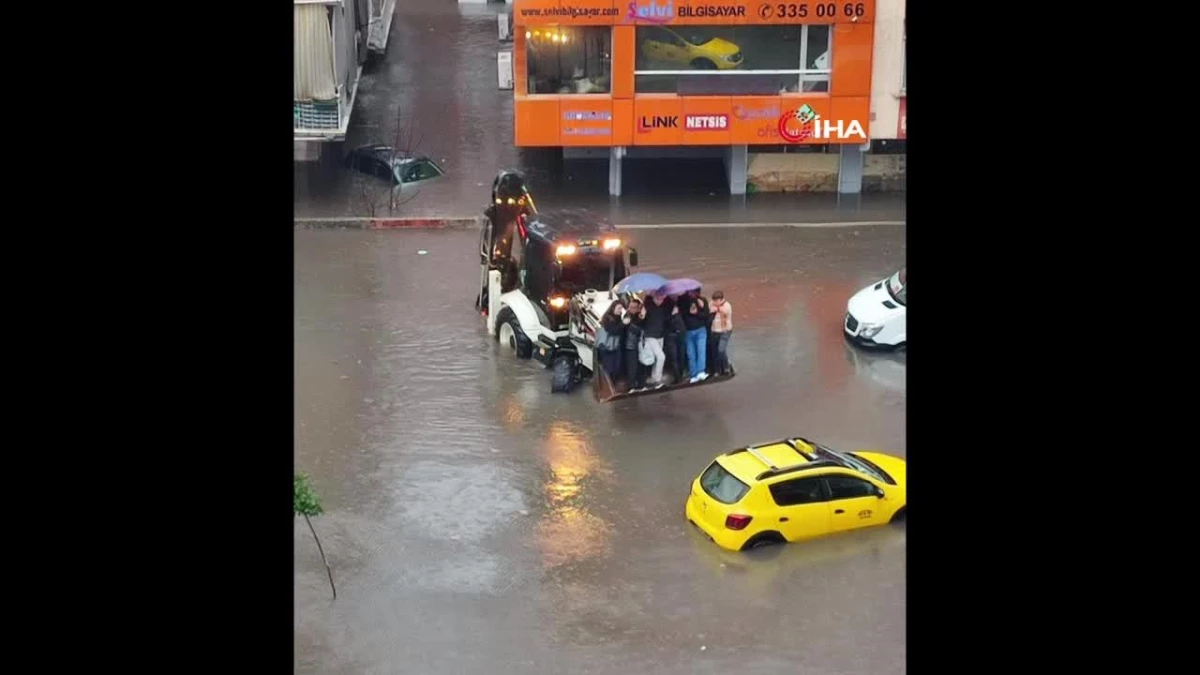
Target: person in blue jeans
696,323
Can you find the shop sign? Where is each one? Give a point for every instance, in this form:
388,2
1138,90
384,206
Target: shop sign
665,11
712,11
653,11
692,12
796,11
706,122
765,113
588,115
602,116
647,123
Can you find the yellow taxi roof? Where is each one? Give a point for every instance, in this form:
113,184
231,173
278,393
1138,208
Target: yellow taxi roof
745,466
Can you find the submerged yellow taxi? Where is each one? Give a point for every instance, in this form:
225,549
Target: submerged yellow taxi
794,489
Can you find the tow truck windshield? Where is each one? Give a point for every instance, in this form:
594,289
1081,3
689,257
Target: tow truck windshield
588,270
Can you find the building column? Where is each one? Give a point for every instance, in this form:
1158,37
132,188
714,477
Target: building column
735,169
850,170
306,151
615,156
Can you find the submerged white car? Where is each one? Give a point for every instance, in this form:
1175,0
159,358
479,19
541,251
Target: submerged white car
876,315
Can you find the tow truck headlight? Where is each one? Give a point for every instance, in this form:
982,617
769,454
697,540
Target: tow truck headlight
612,244
557,302
565,249
869,330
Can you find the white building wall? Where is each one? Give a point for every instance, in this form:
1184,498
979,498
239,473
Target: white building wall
887,68
345,60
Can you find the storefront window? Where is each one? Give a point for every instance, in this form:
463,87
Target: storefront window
569,59
733,60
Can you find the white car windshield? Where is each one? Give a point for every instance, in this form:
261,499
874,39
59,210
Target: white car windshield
897,289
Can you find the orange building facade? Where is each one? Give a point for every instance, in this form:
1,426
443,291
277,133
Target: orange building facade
634,75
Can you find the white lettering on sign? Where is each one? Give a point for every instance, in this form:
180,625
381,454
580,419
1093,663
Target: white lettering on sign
840,130
706,122
587,115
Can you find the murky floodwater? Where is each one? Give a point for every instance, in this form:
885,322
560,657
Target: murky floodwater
478,524
440,73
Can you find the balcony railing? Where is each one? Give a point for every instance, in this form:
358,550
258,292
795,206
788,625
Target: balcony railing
318,117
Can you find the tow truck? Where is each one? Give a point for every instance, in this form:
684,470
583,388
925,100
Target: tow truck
546,279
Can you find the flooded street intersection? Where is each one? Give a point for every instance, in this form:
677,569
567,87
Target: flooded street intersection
478,524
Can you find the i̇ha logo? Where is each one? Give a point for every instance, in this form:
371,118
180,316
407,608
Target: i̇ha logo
804,123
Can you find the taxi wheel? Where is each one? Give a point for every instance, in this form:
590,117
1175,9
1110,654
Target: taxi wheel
764,539
900,516
703,64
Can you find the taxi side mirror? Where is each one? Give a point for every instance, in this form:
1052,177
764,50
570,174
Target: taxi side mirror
633,257
879,493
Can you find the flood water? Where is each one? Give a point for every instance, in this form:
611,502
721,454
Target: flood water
439,79
478,524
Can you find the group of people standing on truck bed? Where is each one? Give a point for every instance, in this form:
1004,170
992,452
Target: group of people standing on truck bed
642,340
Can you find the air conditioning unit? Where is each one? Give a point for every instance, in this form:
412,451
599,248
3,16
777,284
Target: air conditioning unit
504,24
504,67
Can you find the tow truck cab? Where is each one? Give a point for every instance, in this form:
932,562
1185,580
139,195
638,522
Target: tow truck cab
566,253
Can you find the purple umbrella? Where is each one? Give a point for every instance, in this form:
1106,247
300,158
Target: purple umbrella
678,287
640,282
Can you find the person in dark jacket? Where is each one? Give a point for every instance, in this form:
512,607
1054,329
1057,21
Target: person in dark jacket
675,345
610,359
655,326
634,333
696,322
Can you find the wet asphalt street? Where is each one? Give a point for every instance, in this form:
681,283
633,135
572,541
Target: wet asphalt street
440,73
477,524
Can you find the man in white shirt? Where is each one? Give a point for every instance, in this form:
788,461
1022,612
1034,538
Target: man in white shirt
722,330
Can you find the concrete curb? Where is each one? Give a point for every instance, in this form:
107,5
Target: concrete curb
477,222
386,223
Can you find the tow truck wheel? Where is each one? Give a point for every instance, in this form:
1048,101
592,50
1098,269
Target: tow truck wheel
510,334
565,373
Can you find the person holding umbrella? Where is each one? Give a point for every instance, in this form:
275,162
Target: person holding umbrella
674,309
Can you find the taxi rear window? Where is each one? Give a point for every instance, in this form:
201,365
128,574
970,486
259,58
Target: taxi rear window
722,485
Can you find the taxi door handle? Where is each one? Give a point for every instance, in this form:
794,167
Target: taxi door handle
840,511
783,520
